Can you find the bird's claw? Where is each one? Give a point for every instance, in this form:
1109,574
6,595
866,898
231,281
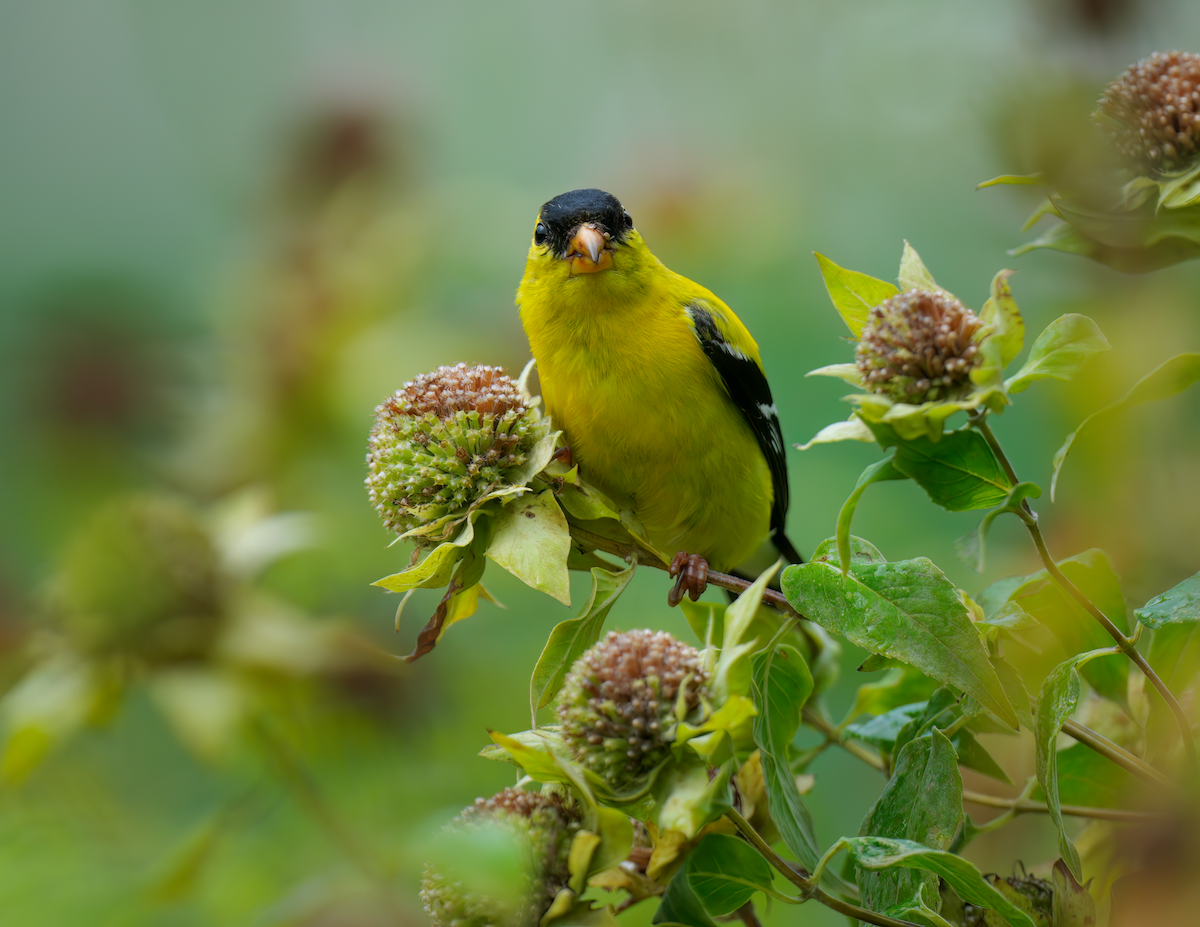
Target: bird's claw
564,454
692,571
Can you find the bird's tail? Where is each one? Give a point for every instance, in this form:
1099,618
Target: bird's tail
785,547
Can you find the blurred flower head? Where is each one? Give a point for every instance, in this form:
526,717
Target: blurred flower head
1153,112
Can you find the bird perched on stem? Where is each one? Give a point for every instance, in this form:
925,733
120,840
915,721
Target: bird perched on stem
658,388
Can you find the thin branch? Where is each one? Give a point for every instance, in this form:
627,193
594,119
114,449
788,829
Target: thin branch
1115,753
1126,644
1026,805
809,891
834,736
771,597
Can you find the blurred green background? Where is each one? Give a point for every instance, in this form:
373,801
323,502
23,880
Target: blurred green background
228,230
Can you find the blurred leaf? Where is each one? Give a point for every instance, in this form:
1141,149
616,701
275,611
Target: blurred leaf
960,472
1006,331
1011,179
724,873
572,637
921,802
907,610
971,548
879,853
900,687
1014,687
1073,905
1175,655
531,540
204,706
1061,350
877,472
1087,778
616,839
579,858
1056,703
1178,605
781,686
1137,259
48,705
706,619
679,905
973,755
1167,379
853,294
852,430
913,274
847,372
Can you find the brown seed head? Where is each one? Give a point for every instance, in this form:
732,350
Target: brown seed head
1153,111
918,346
617,705
458,389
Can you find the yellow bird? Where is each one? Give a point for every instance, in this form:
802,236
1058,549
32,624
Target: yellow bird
658,388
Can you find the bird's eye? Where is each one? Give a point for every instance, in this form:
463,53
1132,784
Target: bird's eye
539,234
628,221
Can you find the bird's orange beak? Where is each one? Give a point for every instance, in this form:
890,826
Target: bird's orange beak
589,252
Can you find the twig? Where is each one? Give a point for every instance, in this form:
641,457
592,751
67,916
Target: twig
1118,755
1026,805
809,890
1126,644
728,581
834,736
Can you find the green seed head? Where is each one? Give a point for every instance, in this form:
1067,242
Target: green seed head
444,441
140,576
1153,112
919,346
617,705
543,825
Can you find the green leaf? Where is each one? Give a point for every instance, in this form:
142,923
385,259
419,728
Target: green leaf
1072,905
847,372
572,637
960,472
907,610
679,905
1005,332
435,570
725,872
878,853
1178,605
973,755
913,274
922,802
861,551
1175,655
852,430
531,540
853,294
1087,778
1071,625
1011,179
781,686
1056,703
882,730
900,687
1061,350
877,472
1168,379
533,754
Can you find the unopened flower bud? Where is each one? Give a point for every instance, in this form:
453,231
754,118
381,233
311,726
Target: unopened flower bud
617,704
543,825
919,346
446,440
1153,112
141,575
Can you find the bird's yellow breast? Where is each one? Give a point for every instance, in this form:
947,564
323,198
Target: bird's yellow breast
644,411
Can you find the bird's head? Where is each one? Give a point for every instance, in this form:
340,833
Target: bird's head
586,234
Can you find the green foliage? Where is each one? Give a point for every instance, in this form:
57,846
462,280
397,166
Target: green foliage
724,872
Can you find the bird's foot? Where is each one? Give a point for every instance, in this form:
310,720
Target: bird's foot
692,571
564,454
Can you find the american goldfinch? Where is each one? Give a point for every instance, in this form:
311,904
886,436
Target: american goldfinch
658,388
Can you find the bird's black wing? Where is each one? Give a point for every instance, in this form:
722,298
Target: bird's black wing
748,388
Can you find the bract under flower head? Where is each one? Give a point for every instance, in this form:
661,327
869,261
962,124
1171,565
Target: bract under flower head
542,824
445,441
919,346
618,705
1153,112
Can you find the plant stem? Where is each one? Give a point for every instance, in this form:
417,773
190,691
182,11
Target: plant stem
1026,805
809,891
309,796
1118,755
1125,643
834,736
625,551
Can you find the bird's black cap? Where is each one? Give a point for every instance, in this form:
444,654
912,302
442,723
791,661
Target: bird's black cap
567,211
